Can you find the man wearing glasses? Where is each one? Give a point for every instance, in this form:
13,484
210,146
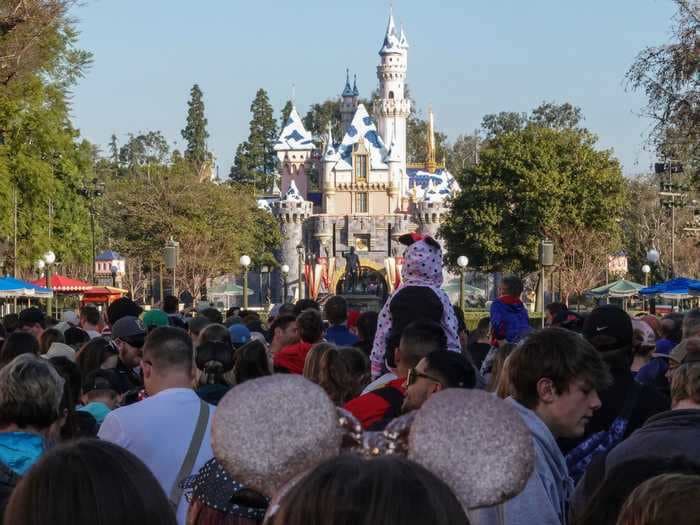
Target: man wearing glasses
128,335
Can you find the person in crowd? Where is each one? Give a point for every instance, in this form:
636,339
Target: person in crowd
351,490
434,373
75,337
99,394
16,344
418,298
90,320
305,304
498,378
462,331
336,310
30,398
558,314
216,499
671,333
122,307
32,320
98,353
555,376
691,324
154,318
291,358
48,337
239,334
171,409
60,350
195,327
10,322
679,355
609,329
129,335
480,342
284,331
604,507
325,367
669,499
366,330
509,319
643,345
353,317
250,362
376,408
672,433
653,322
3,336
219,333
88,482
654,372
69,319
213,359
171,307
213,315
357,362
74,424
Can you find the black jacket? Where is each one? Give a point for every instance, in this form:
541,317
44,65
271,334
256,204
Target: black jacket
126,379
8,480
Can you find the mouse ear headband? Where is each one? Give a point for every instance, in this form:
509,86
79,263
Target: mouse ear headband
270,431
407,239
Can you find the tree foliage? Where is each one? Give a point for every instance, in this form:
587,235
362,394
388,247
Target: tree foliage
286,111
195,132
417,140
143,152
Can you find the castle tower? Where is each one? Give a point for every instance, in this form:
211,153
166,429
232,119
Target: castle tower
393,108
348,105
291,211
430,211
294,147
330,158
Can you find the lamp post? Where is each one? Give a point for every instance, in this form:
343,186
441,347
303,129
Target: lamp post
245,262
171,256
546,259
49,258
265,271
96,190
300,253
462,262
285,278
114,269
645,270
39,267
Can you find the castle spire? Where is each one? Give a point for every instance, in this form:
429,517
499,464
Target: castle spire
430,163
355,91
391,39
347,92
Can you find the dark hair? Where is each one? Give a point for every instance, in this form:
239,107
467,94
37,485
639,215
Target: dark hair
170,304
336,310
559,355
10,322
231,312
214,358
482,329
282,322
451,368
213,315
367,326
325,367
675,333
310,325
351,490
215,332
90,313
691,323
358,366
419,339
48,337
169,347
251,362
122,307
305,304
604,506
16,344
287,309
85,482
558,312
75,337
70,372
459,314
93,354
513,285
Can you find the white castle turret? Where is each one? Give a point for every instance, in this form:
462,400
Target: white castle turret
349,102
393,108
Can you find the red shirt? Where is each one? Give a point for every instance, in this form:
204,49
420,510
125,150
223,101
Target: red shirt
374,407
292,357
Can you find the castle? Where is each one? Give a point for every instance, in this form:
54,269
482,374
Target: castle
369,194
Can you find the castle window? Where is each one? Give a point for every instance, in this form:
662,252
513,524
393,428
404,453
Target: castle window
391,94
361,204
360,162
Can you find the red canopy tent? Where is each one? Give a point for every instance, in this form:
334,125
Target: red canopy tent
65,285
102,294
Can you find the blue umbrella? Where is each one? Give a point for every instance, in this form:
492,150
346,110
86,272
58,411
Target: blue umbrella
674,288
11,287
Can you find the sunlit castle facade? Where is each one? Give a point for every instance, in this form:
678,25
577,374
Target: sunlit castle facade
369,195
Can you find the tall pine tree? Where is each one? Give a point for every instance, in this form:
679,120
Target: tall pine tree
195,132
256,159
286,111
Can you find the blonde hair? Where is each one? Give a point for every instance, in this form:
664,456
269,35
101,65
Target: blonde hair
669,499
685,383
325,367
499,374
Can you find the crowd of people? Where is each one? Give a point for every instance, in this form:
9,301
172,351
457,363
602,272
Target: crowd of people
321,414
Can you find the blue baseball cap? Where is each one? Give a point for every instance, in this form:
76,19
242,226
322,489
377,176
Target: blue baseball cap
239,334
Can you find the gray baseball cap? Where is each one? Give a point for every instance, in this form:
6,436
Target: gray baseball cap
129,329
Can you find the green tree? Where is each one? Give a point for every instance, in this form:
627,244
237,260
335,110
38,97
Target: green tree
114,150
143,152
496,124
195,132
286,111
530,184
242,171
557,116
319,115
463,153
417,140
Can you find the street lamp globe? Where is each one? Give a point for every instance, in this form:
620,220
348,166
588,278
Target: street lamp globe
114,269
49,257
284,269
245,261
39,264
462,261
653,256
646,268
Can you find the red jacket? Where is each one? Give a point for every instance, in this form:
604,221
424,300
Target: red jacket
292,357
378,405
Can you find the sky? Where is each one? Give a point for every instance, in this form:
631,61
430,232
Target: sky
466,60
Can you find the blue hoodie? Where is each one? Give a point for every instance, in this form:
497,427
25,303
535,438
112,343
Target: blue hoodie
20,450
544,499
509,319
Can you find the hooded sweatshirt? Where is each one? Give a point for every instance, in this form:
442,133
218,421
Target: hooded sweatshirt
20,450
422,267
509,319
543,501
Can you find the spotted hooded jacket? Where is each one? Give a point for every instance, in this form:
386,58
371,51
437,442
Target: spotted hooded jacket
422,268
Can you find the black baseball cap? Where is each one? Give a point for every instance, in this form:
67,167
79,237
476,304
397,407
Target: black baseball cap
608,327
130,330
100,380
31,315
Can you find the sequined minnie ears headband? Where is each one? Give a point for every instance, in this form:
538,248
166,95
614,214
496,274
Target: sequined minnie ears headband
268,431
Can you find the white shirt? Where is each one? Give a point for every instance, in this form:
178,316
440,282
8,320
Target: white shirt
380,382
158,430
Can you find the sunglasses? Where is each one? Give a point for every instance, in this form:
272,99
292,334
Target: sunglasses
414,375
136,343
